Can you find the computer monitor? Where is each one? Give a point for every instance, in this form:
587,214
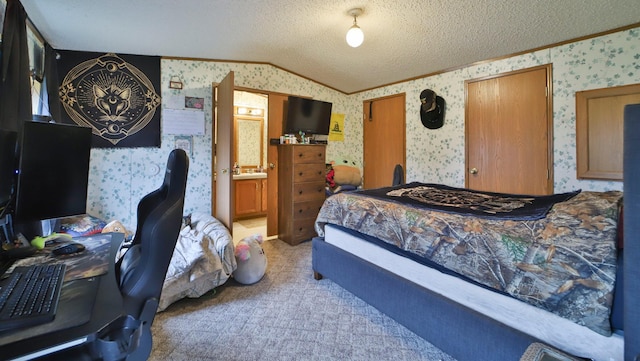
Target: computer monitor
53,171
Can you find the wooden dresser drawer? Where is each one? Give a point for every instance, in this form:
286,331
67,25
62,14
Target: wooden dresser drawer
309,154
308,191
308,172
305,210
304,229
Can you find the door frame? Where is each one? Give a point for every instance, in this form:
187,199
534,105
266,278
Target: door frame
274,130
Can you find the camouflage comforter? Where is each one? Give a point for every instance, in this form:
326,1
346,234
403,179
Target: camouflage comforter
564,263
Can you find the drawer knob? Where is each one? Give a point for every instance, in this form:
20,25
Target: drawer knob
300,155
300,174
300,192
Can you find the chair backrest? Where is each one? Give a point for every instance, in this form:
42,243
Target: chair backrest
143,268
398,175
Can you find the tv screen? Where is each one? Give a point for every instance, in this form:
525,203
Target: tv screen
308,116
8,164
53,171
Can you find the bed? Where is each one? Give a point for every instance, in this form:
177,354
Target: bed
481,275
202,260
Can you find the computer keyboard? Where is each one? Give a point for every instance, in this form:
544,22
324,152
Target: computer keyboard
30,295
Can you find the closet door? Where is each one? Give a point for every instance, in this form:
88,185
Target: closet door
384,139
508,128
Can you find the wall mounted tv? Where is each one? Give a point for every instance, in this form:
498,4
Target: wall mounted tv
307,115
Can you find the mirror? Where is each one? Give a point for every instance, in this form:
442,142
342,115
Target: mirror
249,141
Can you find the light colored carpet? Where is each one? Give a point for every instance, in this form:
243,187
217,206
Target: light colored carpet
286,316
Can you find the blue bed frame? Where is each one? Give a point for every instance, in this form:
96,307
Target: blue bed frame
464,333
631,190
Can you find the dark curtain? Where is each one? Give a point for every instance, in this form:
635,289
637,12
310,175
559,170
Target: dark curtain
51,81
15,87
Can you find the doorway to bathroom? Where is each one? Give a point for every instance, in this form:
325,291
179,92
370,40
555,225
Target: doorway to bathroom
251,106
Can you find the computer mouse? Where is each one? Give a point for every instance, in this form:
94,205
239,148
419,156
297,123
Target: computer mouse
69,248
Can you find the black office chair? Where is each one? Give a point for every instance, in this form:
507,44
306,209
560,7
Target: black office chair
142,269
398,175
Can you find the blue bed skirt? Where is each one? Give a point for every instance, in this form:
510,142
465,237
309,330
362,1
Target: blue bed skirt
457,330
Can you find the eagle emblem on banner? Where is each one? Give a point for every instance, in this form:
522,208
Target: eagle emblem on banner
109,95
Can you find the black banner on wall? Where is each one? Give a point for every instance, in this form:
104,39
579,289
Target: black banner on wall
116,95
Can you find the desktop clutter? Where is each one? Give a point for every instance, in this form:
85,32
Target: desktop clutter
62,244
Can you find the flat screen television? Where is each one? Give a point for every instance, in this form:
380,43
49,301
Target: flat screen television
53,171
307,115
8,165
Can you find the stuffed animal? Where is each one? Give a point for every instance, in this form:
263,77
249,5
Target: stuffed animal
346,172
329,177
251,260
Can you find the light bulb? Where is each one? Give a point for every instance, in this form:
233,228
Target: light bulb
355,36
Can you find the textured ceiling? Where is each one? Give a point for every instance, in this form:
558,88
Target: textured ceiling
404,39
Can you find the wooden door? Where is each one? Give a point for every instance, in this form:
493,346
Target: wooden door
247,197
223,155
508,132
384,139
276,116
263,195
599,130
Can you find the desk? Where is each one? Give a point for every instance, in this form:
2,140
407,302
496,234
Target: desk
58,335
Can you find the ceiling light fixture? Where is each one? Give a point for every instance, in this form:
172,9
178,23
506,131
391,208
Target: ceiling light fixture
355,36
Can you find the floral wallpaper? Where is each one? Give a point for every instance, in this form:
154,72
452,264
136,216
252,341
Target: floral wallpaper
120,177
438,155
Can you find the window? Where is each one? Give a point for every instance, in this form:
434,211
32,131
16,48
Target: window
35,43
3,10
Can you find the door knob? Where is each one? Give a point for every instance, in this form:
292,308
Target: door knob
473,171
272,165
225,170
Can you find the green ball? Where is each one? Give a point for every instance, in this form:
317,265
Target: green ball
38,242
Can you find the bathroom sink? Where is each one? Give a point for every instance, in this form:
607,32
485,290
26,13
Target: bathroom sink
249,176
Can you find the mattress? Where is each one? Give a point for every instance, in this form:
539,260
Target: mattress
543,325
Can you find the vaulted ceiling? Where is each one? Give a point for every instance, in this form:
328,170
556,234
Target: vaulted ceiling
404,39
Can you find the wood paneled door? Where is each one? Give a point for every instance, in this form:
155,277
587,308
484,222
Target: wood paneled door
222,158
276,117
508,132
384,139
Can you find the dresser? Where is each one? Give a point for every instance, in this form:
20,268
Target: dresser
301,190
